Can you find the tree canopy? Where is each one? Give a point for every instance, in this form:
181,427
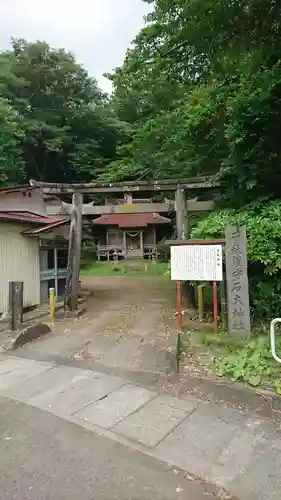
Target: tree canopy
11,163
57,123
200,87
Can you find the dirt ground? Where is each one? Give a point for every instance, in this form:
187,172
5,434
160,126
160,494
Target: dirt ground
127,324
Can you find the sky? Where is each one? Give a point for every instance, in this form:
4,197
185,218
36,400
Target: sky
98,32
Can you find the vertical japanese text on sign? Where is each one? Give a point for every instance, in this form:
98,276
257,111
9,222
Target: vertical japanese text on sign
237,281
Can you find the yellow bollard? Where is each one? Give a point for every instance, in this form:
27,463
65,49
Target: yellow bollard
52,305
200,302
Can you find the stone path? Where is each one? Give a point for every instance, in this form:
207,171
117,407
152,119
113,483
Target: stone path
240,452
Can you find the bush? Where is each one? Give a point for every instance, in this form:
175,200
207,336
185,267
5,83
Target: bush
252,363
263,224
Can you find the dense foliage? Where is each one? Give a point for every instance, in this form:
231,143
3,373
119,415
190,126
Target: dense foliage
11,162
201,86
56,124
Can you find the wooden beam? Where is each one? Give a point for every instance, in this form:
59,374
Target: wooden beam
194,242
128,187
128,208
90,209
199,206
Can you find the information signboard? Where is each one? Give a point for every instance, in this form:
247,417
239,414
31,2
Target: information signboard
196,263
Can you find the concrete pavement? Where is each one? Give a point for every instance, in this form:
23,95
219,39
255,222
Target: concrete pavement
237,451
46,458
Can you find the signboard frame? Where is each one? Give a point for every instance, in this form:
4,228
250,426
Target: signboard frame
184,243
197,262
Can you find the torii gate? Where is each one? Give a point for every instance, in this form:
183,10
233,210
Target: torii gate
180,205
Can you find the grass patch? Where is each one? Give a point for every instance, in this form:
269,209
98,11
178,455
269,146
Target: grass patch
245,361
221,340
127,268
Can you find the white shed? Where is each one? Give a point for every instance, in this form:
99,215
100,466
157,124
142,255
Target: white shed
22,215
19,261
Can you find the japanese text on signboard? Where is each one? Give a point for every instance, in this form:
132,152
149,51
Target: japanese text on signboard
196,263
237,280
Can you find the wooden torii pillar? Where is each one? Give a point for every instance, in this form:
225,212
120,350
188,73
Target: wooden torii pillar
74,253
182,230
181,212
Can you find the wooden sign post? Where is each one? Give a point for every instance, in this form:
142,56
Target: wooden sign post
179,304
16,304
239,323
215,306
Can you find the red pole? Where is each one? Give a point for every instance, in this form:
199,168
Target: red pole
215,306
179,307
179,301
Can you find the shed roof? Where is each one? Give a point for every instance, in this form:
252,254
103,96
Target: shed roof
14,189
39,224
45,227
31,218
130,220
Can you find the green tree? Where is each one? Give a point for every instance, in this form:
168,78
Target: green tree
11,162
67,135
200,87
